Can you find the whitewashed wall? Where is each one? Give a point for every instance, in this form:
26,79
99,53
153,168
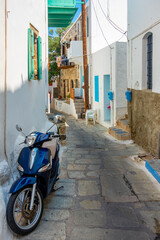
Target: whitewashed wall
101,65
118,14
143,17
121,80
2,74
26,102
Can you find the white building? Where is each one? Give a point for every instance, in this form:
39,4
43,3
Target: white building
109,73
23,98
144,71
108,59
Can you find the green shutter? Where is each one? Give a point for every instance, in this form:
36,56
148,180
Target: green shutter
32,42
30,54
39,58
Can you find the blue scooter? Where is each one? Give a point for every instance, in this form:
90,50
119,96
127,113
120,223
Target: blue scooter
38,164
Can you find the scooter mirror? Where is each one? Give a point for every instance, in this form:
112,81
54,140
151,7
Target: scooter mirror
19,129
56,118
59,119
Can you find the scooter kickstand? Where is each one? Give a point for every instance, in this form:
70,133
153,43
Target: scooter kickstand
55,190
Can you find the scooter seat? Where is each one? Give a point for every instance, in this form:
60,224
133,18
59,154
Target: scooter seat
51,145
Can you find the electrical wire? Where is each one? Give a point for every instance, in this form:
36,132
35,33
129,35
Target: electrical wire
123,32
63,60
100,26
111,22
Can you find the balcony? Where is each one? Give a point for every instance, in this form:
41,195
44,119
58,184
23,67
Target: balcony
64,63
61,12
75,52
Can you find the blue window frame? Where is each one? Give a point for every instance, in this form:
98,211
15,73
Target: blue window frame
96,84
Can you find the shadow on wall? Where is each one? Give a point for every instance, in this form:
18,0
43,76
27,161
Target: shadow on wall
25,107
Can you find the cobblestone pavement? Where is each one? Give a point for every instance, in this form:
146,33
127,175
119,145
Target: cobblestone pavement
105,195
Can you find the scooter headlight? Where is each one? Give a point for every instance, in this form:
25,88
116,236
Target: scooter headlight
30,140
20,168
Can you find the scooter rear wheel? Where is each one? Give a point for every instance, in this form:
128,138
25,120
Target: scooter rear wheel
20,218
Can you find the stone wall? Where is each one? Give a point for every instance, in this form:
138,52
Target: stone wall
69,79
144,119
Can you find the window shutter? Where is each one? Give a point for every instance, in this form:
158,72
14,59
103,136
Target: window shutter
32,43
39,58
30,54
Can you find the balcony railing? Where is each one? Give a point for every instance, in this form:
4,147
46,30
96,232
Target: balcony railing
64,63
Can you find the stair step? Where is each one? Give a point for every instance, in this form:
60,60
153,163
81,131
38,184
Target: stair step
123,124
79,115
79,107
79,104
119,134
79,100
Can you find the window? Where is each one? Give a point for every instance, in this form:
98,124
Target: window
96,85
68,85
149,61
34,54
72,86
147,52
76,83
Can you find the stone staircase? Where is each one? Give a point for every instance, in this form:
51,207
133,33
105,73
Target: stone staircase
79,105
121,131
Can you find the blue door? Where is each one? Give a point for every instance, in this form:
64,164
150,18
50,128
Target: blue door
107,109
96,86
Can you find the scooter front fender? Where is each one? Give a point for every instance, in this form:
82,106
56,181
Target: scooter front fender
21,183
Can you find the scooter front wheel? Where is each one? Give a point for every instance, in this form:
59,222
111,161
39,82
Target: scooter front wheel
20,218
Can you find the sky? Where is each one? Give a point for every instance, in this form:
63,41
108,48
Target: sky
78,11
78,5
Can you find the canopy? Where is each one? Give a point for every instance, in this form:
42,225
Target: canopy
61,12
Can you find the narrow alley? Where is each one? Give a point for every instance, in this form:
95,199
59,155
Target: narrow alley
106,196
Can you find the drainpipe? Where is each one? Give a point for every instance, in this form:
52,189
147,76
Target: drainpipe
5,95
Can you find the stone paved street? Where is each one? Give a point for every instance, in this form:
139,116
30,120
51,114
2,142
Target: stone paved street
106,196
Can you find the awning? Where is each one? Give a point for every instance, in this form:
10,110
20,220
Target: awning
61,12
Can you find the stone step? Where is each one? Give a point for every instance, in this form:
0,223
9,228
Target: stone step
123,124
79,107
119,133
79,100
79,115
79,104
